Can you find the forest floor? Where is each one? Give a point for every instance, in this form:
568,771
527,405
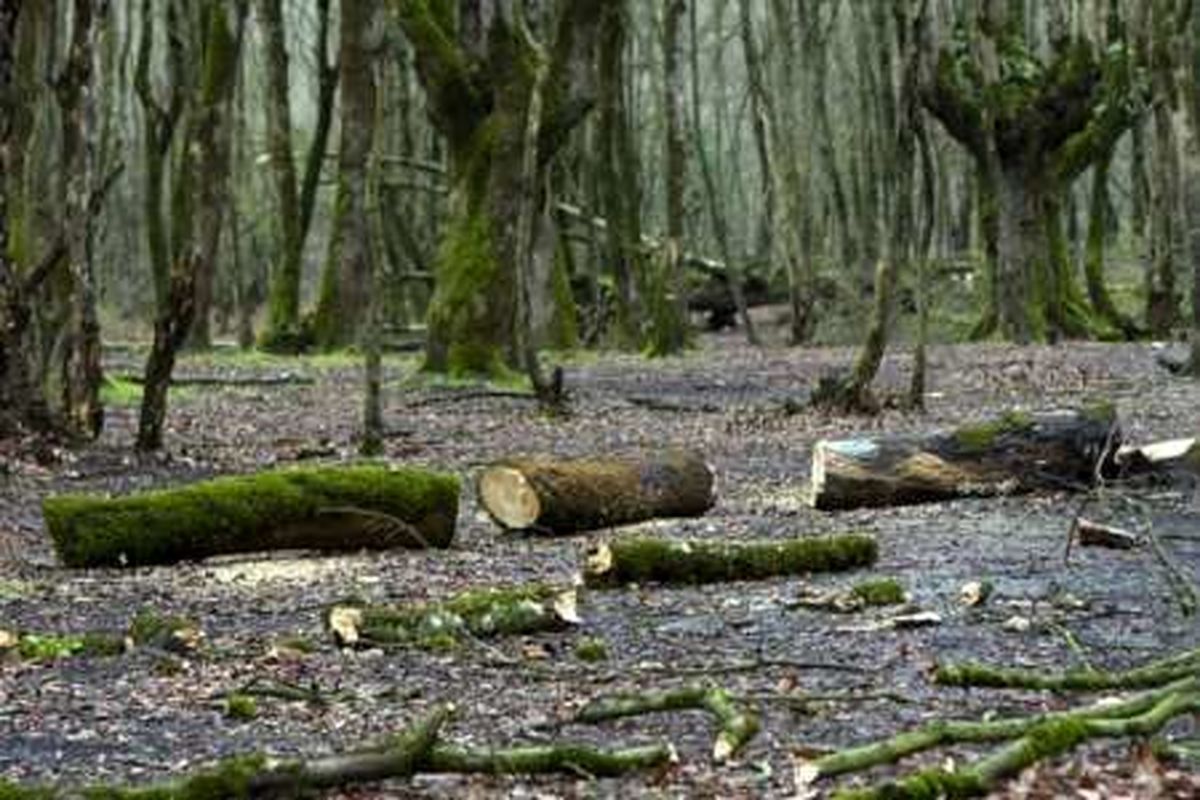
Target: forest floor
125,718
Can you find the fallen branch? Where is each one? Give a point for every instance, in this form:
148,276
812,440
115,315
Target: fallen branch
318,508
951,732
1094,534
1149,676
479,613
576,759
282,379
646,560
736,725
1044,741
569,495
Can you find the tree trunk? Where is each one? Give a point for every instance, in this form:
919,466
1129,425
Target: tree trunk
1017,452
587,494
283,321
1097,235
346,277
317,508
477,73
198,206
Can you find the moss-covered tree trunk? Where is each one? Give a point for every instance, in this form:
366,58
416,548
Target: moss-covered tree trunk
346,276
198,205
1033,127
1162,298
478,68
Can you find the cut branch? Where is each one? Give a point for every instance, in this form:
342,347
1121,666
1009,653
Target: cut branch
1152,675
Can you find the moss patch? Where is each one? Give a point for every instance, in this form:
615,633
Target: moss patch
984,435
879,592
52,647
241,707
244,513
591,649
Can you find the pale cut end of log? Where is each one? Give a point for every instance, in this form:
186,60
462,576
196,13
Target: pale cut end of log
345,622
509,497
600,560
566,607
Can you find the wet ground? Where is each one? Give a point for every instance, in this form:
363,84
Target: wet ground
95,719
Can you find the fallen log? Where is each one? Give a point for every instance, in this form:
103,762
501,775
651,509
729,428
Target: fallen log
646,560
479,613
565,496
1018,452
736,725
1173,456
317,508
1096,534
231,381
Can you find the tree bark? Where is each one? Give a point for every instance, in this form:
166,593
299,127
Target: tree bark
346,276
478,76
556,496
318,508
1015,453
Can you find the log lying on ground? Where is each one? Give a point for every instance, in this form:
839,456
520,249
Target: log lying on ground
318,508
736,725
232,381
646,560
564,496
1155,674
1173,456
1014,453
480,613
169,633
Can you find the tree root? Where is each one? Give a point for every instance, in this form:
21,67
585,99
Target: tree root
1149,676
737,726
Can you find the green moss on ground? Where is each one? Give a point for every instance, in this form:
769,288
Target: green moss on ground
52,647
241,707
591,649
879,592
234,514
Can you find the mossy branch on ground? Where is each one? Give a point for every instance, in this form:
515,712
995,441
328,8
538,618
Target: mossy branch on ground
413,751
324,508
148,629
477,613
736,725
1046,740
1149,676
645,560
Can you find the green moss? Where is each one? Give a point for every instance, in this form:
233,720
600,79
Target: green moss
1100,411
45,647
880,592
927,784
476,613
120,393
15,791
241,707
228,514
171,632
300,644
591,649
564,322
980,437
640,559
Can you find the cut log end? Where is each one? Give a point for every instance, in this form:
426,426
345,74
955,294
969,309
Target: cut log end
509,497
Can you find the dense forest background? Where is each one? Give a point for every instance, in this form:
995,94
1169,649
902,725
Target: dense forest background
493,181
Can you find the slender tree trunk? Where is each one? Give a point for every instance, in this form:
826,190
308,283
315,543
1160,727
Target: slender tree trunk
1093,255
760,112
345,279
668,310
199,193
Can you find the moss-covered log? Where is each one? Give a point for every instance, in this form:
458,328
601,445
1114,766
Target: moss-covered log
646,560
1155,674
1016,452
736,725
329,508
479,613
563,496
148,629
1043,742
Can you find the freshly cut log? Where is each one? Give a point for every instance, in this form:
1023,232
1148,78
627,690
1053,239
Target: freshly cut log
317,508
564,496
647,560
1016,452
